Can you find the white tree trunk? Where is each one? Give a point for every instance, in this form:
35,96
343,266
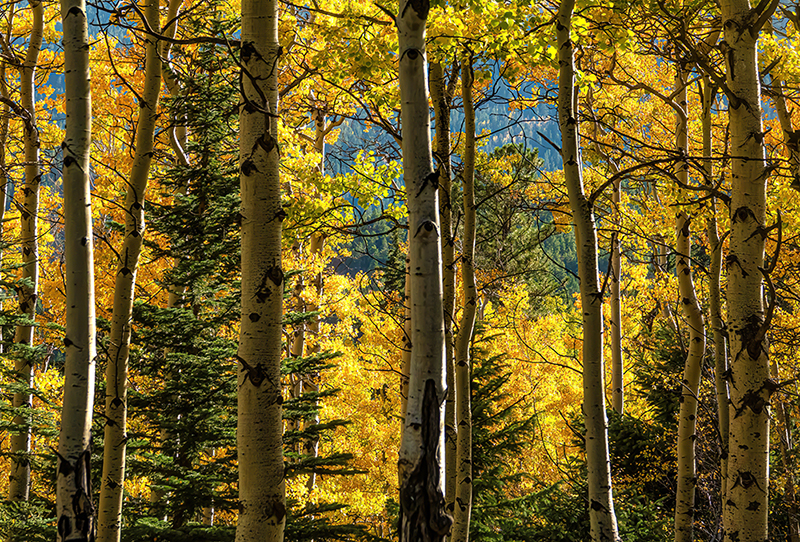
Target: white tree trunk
601,503
746,505
421,463
617,361
20,477
687,417
74,508
441,99
466,327
113,478
178,142
714,291
262,500
4,120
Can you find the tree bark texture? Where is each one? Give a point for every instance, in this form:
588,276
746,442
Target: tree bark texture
4,121
262,500
421,468
790,135
20,476
601,504
715,291
113,478
746,504
690,384
617,361
74,508
466,326
441,98
786,446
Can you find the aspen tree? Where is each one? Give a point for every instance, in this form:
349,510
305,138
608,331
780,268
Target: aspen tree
746,505
714,287
4,121
178,142
601,504
74,508
687,416
778,93
20,477
441,97
786,446
421,463
262,500
310,383
463,498
615,318
113,478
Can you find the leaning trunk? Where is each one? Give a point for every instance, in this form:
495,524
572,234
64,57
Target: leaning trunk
74,508
421,464
746,505
601,504
20,477
262,500
111,490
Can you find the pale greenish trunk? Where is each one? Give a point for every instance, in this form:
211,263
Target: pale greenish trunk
601,504
115,437
441,99
466,326
687,416
74,508
421,466
262,499
20,476
746,505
